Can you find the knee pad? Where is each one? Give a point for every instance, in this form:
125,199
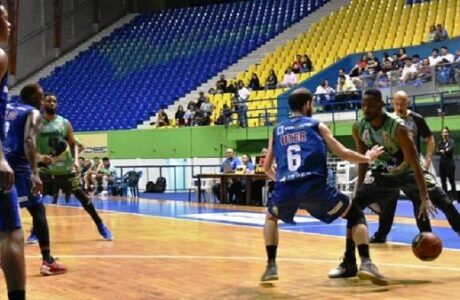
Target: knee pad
355,216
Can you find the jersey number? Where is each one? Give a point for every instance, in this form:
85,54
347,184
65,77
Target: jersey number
293,157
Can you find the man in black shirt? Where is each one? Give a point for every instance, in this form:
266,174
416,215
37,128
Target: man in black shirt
418,129
447,163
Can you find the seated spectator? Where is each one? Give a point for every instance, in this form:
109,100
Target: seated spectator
425,71
386,56
207,106
231,88
409,72
205,120
432,34
228,166
396,63
345,85
162,118
90,178
190,105
212,91
201,98
434,58
441,33
84,165
189,116
342,72
383,78
221,84
358,70
306,64
254,84
416,60
290,79
446,57
402,54
324,91
272,81
106,176
179,116
296,64
238,186
225,116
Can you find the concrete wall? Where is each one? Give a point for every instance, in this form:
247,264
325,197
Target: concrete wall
36,21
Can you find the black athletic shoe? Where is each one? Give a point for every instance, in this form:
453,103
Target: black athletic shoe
375,239
368,271
271,272
344,270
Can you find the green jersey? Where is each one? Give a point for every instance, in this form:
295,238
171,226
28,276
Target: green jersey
392,161
51,140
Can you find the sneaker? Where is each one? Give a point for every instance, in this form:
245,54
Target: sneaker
105,232
375,239
368,271
271,272
52,268
32,239
344,270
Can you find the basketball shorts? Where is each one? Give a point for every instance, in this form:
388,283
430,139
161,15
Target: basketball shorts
9,211
53,183
322,201
23,183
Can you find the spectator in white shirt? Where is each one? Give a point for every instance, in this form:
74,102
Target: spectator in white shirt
409,71
290,79
446,57
434,58
342,72
324,91
242,104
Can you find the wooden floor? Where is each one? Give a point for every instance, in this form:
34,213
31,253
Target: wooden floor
166,258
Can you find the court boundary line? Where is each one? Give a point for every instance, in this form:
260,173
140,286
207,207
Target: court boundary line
230,224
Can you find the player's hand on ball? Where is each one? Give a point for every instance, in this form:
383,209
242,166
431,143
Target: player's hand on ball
427,209
6,176
374,152
37,185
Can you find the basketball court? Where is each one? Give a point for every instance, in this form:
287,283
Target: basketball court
184,250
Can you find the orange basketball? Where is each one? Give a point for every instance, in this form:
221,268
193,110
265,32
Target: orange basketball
427,246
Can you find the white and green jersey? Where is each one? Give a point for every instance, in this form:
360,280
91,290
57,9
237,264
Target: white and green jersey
51,140
392,161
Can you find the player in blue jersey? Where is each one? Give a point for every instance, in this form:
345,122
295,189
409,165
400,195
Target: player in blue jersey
299,146
23,121
11,234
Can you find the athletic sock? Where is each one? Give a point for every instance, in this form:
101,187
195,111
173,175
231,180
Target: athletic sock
271,252
17,295
363,251
350,255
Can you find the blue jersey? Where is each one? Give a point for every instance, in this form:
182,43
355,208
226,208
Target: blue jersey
16,118
299,149
3,103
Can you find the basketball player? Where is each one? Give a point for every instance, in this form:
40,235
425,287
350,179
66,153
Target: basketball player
23,122
11,234
418,129
397,169
299,146
59,152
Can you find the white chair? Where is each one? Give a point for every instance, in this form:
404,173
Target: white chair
346,183
206,188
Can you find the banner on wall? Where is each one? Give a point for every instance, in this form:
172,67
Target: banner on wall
95,144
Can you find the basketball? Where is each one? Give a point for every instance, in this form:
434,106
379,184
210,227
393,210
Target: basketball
426,246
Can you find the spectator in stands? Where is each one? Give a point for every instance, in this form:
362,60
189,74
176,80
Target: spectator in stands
190,105
189,116
231,88
201,99
383,78
396,63
446,57
290,79
447,163
402,54
225,116
373,65
228,166
441,33
434,58
296,64
431,35
416,60
360,67
205,119
409,72
272,81
254,84
162,118
424,71
342,72
238,186
324,92
306,64
242,104
179,116
105,176
207,107
221,84
90,178
345,85
386,56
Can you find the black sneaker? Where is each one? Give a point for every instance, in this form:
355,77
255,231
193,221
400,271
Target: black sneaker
368,271
271,272
375,239
344,270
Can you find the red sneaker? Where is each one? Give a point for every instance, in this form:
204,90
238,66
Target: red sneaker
52,269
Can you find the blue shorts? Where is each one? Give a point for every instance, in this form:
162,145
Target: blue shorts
23,184
322,201
9,211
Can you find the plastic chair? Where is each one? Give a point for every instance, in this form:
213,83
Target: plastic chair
206,188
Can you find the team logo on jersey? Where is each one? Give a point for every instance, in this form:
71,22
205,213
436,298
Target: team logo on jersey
386,137
280,130
11,115
366,135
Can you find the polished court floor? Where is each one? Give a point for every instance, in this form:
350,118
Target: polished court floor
180,250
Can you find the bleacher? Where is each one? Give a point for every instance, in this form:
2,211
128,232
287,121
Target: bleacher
159,57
